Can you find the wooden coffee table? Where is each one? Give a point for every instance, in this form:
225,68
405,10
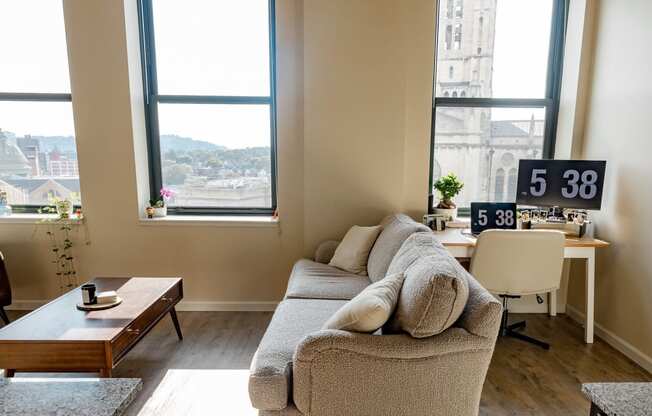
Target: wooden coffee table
59,338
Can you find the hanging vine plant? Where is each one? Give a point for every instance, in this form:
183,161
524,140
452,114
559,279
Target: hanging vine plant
59,233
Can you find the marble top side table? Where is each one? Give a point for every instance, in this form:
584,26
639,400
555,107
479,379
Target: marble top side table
67,396
619,399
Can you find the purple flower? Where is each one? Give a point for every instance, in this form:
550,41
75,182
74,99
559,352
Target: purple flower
167,193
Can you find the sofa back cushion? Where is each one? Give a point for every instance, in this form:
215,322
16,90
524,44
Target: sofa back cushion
352,253
435,289
396,229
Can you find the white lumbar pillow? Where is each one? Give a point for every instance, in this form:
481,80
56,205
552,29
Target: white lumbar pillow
370,309
352,253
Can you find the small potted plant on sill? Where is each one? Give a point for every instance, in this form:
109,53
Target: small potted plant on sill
449,187
158,207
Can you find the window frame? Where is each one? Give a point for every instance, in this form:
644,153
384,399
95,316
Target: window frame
36,97
550,103
152,99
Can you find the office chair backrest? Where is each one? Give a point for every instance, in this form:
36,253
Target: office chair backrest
518,262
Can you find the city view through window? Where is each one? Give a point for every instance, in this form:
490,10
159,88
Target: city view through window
490,49
38,155
212,155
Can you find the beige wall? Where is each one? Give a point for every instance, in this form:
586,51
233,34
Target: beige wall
368,82
618,130
353,142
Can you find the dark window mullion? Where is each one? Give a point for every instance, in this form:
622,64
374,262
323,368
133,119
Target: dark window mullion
492,102
212,99
31,96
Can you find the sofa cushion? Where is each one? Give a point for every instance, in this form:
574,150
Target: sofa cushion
312,280
396,229
271,368
435,289
353,252
371,309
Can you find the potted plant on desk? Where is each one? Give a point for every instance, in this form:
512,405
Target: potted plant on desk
158,206
449,187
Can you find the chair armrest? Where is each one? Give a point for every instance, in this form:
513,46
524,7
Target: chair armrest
325,251
339,372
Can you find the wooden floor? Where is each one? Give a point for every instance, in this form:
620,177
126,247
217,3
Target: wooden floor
207,372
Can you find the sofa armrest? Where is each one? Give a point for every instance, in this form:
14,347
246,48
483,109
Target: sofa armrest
325,251
339,372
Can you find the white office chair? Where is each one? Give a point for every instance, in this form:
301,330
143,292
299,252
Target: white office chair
513,263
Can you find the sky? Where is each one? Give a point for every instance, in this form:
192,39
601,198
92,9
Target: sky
203,48
521,54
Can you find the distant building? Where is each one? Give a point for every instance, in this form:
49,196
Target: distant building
241,192
63,168
469,142
32,151
12,160
41,191
14,195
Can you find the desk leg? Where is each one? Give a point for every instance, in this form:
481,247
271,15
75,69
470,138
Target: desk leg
552,303
590,295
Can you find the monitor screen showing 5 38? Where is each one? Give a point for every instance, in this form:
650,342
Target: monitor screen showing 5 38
564,183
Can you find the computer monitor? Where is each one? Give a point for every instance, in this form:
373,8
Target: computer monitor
563,183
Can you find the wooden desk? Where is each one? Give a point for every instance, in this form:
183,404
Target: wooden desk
462,246
59,338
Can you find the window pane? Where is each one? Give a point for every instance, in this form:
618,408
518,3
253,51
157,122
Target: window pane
216,47
38,156
482,146
498,48
216,155
33,56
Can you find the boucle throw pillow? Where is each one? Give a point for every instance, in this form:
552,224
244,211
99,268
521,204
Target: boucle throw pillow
352,253
432,297
370,309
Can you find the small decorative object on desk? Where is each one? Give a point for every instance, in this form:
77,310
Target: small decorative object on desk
158,206
435,222
88,294
5,208
449,187
103,300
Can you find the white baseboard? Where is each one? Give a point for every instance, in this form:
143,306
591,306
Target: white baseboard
184,306
630,351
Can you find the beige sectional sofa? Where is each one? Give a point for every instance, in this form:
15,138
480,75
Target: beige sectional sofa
437,369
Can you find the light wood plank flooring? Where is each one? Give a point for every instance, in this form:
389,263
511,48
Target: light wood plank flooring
206,373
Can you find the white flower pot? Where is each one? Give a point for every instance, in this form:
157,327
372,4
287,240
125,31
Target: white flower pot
160,212
450,212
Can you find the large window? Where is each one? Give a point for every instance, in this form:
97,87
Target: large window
209,87
38,155
500,102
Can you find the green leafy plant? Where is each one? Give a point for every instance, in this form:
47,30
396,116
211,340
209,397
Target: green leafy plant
59,233
449,187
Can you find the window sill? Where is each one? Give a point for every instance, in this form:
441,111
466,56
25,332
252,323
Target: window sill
33,219
253,221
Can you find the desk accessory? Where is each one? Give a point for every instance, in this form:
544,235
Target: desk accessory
561,183
492,215
435,222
